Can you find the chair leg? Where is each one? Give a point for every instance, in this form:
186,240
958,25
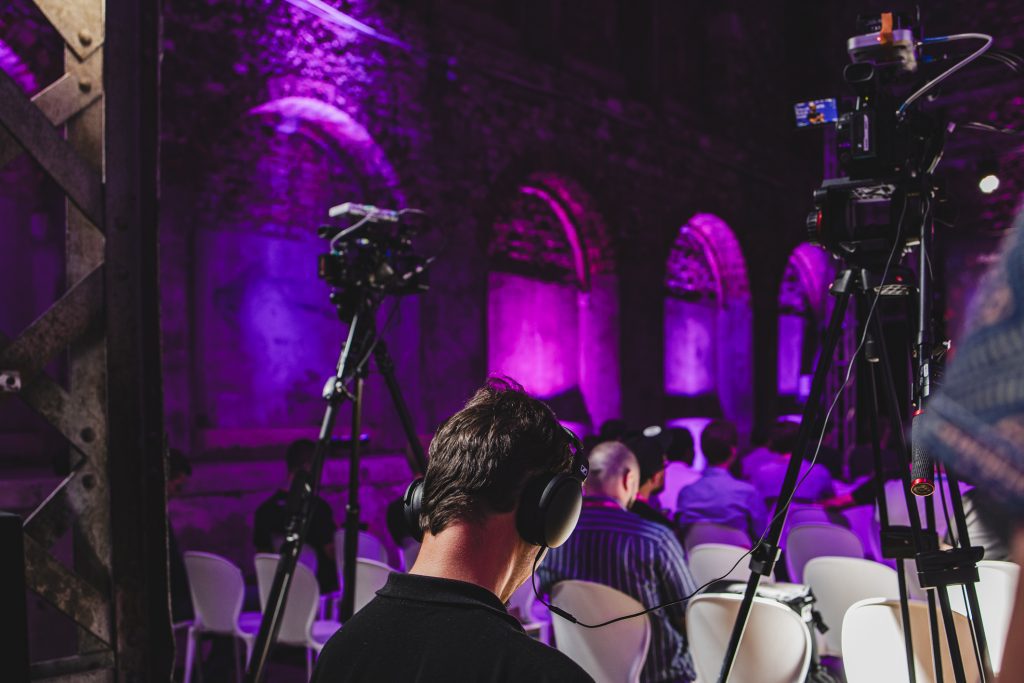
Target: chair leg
190,654
309,663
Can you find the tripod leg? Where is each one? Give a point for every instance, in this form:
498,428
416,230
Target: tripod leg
764,554
964,538
348,590
386,366
883,516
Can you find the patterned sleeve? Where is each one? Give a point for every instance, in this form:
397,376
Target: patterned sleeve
975,423
674,577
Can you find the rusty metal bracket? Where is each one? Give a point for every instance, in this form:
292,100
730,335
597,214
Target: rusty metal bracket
77,89
84,667
80,23
62,323
66,591
25,122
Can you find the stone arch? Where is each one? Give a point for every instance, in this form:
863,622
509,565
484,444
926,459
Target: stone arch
553,298
804,306
267,326
708,324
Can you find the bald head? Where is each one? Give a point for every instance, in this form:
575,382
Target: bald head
614,472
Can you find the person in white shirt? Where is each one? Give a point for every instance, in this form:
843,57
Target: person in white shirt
679,473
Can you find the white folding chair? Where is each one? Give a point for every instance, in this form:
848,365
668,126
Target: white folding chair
369,546
299,625
712,561
217,589
370,578
702,533
873,646
996,588
838,582
776,646
808,541
611,654
408,551
521,604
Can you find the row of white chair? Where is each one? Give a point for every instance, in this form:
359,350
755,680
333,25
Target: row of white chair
218,590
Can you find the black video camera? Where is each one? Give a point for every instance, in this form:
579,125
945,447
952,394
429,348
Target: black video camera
372,257
885,153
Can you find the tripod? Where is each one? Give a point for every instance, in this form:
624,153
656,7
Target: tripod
936,569
363,341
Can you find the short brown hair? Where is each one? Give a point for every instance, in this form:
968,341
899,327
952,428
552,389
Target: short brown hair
482,456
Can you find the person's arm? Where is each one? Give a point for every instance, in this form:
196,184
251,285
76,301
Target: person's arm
261,533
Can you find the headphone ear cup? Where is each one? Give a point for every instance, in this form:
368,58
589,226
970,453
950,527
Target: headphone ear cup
549,509
412,505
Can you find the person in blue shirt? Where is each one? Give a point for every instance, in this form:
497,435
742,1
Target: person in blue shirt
717,496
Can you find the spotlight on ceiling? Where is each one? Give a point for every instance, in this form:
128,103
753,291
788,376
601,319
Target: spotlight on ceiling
988,176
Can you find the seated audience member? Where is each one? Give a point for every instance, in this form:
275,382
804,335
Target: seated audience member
446,619
271,519
815,481
679,472
718,496
651,458
761,454
642,559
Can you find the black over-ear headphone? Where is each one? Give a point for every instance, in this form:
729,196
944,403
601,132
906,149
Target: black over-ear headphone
549,505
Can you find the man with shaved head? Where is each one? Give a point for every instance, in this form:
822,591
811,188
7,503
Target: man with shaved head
640,558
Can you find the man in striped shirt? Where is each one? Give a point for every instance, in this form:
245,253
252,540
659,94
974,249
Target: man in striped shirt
614,547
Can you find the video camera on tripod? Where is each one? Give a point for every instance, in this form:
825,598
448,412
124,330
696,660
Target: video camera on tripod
373,256
885,150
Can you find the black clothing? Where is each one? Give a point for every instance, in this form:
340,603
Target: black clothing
649,513
268,532
422,629
181,597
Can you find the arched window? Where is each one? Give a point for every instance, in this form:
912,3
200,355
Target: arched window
803,311
267,333
552,321
707,355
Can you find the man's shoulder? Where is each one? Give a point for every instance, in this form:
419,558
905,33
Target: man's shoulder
624,523
545,663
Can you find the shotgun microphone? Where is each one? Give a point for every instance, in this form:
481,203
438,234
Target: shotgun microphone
922,468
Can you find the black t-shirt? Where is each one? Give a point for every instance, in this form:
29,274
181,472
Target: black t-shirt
271,518
421,629
645,510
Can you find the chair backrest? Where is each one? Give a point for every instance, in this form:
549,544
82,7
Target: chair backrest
303,599
996,588
873,646
808,541
612,654
776,646
701,533
408,551
370,578
715,560
369,546
217,589
896,506
838,582
307,555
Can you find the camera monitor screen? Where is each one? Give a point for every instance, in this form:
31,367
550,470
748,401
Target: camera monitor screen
815,112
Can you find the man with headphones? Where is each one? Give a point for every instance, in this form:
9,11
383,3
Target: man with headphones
503,484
